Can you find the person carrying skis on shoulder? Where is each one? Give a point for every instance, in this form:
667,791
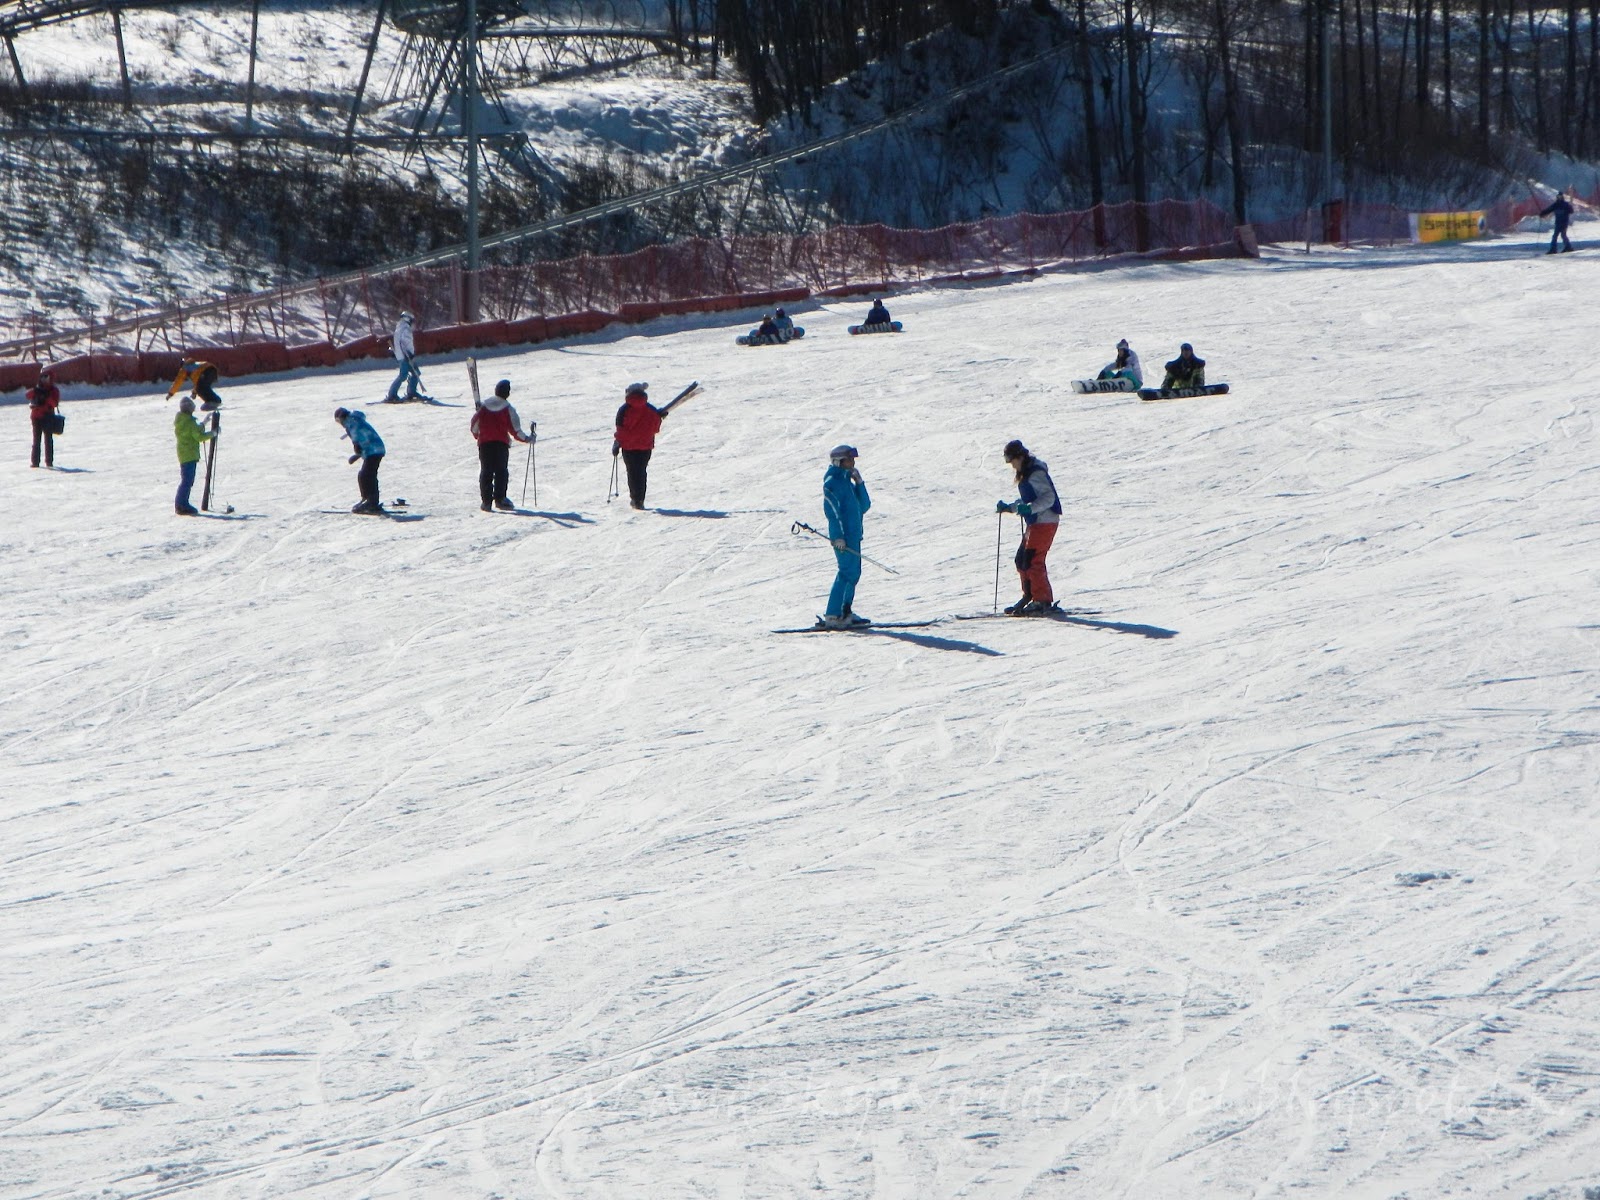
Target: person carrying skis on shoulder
844,502
784,326
190,434
202,378
1039,505
404,345
877,314
369,449
44,398
495,424
1561,209
1125,366
638,422
1185,371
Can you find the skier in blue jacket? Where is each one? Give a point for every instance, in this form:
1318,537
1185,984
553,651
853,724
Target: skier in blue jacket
368,448
844,501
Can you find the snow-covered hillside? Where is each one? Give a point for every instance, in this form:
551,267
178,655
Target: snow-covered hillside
514,856
79,244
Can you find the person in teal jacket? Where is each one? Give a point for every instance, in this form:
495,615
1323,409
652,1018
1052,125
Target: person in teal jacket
190,435
368,448
844,501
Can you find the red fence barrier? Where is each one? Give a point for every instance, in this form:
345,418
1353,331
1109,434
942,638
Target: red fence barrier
328,322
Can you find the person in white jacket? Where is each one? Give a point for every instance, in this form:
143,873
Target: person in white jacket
405,352
1126,366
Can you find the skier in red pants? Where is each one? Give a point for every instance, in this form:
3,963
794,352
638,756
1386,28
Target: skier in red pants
1040,508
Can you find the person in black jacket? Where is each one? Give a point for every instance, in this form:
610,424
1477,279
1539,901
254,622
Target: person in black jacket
1185,371
1561,209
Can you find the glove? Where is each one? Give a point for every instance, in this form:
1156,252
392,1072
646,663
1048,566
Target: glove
353,458
840,544
1021,507
615,449
1001,506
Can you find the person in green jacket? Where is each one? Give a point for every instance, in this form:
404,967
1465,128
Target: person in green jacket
190,434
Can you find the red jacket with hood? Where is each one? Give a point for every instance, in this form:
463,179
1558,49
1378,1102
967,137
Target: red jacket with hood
638,422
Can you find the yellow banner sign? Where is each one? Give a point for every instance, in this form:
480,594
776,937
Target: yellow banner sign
1447,226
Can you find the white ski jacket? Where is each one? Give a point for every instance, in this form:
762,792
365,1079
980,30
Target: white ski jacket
405,345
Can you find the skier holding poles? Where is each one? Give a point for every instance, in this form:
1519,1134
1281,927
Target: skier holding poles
638,421
190,433
844,502
1039,505
404,345
495,424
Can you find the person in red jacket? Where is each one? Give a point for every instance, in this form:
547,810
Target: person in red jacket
638,421
44,398
495,424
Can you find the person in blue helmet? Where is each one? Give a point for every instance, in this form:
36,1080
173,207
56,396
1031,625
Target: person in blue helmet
844,502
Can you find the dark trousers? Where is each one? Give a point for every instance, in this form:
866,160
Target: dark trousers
185,485
367,477
638,464
494,470
1561,233
39,431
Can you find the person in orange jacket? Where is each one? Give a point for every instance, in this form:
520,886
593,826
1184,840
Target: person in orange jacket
202,378
638,422
44,398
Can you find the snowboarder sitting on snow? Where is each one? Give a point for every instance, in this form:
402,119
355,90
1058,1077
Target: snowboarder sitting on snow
202,376
1561,207
844,501
190,434
495,424
767,329
1126,366
638,422
369,449
877,314
783,325
1185,371
44,398
1039,505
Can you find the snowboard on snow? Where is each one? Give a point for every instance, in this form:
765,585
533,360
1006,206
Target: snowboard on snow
1086,387
754,338
877,327
396,510
819,627
1210,389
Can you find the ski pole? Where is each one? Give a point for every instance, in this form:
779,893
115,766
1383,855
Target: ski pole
611,488
527,468
999,522
798,526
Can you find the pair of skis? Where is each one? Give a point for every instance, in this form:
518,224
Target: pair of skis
821,627
1086,387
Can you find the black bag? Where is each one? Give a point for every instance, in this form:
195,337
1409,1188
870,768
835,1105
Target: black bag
55,424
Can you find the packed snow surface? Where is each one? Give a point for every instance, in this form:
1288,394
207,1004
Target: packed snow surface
492,855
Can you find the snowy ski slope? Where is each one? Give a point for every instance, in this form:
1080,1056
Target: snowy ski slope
513,856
